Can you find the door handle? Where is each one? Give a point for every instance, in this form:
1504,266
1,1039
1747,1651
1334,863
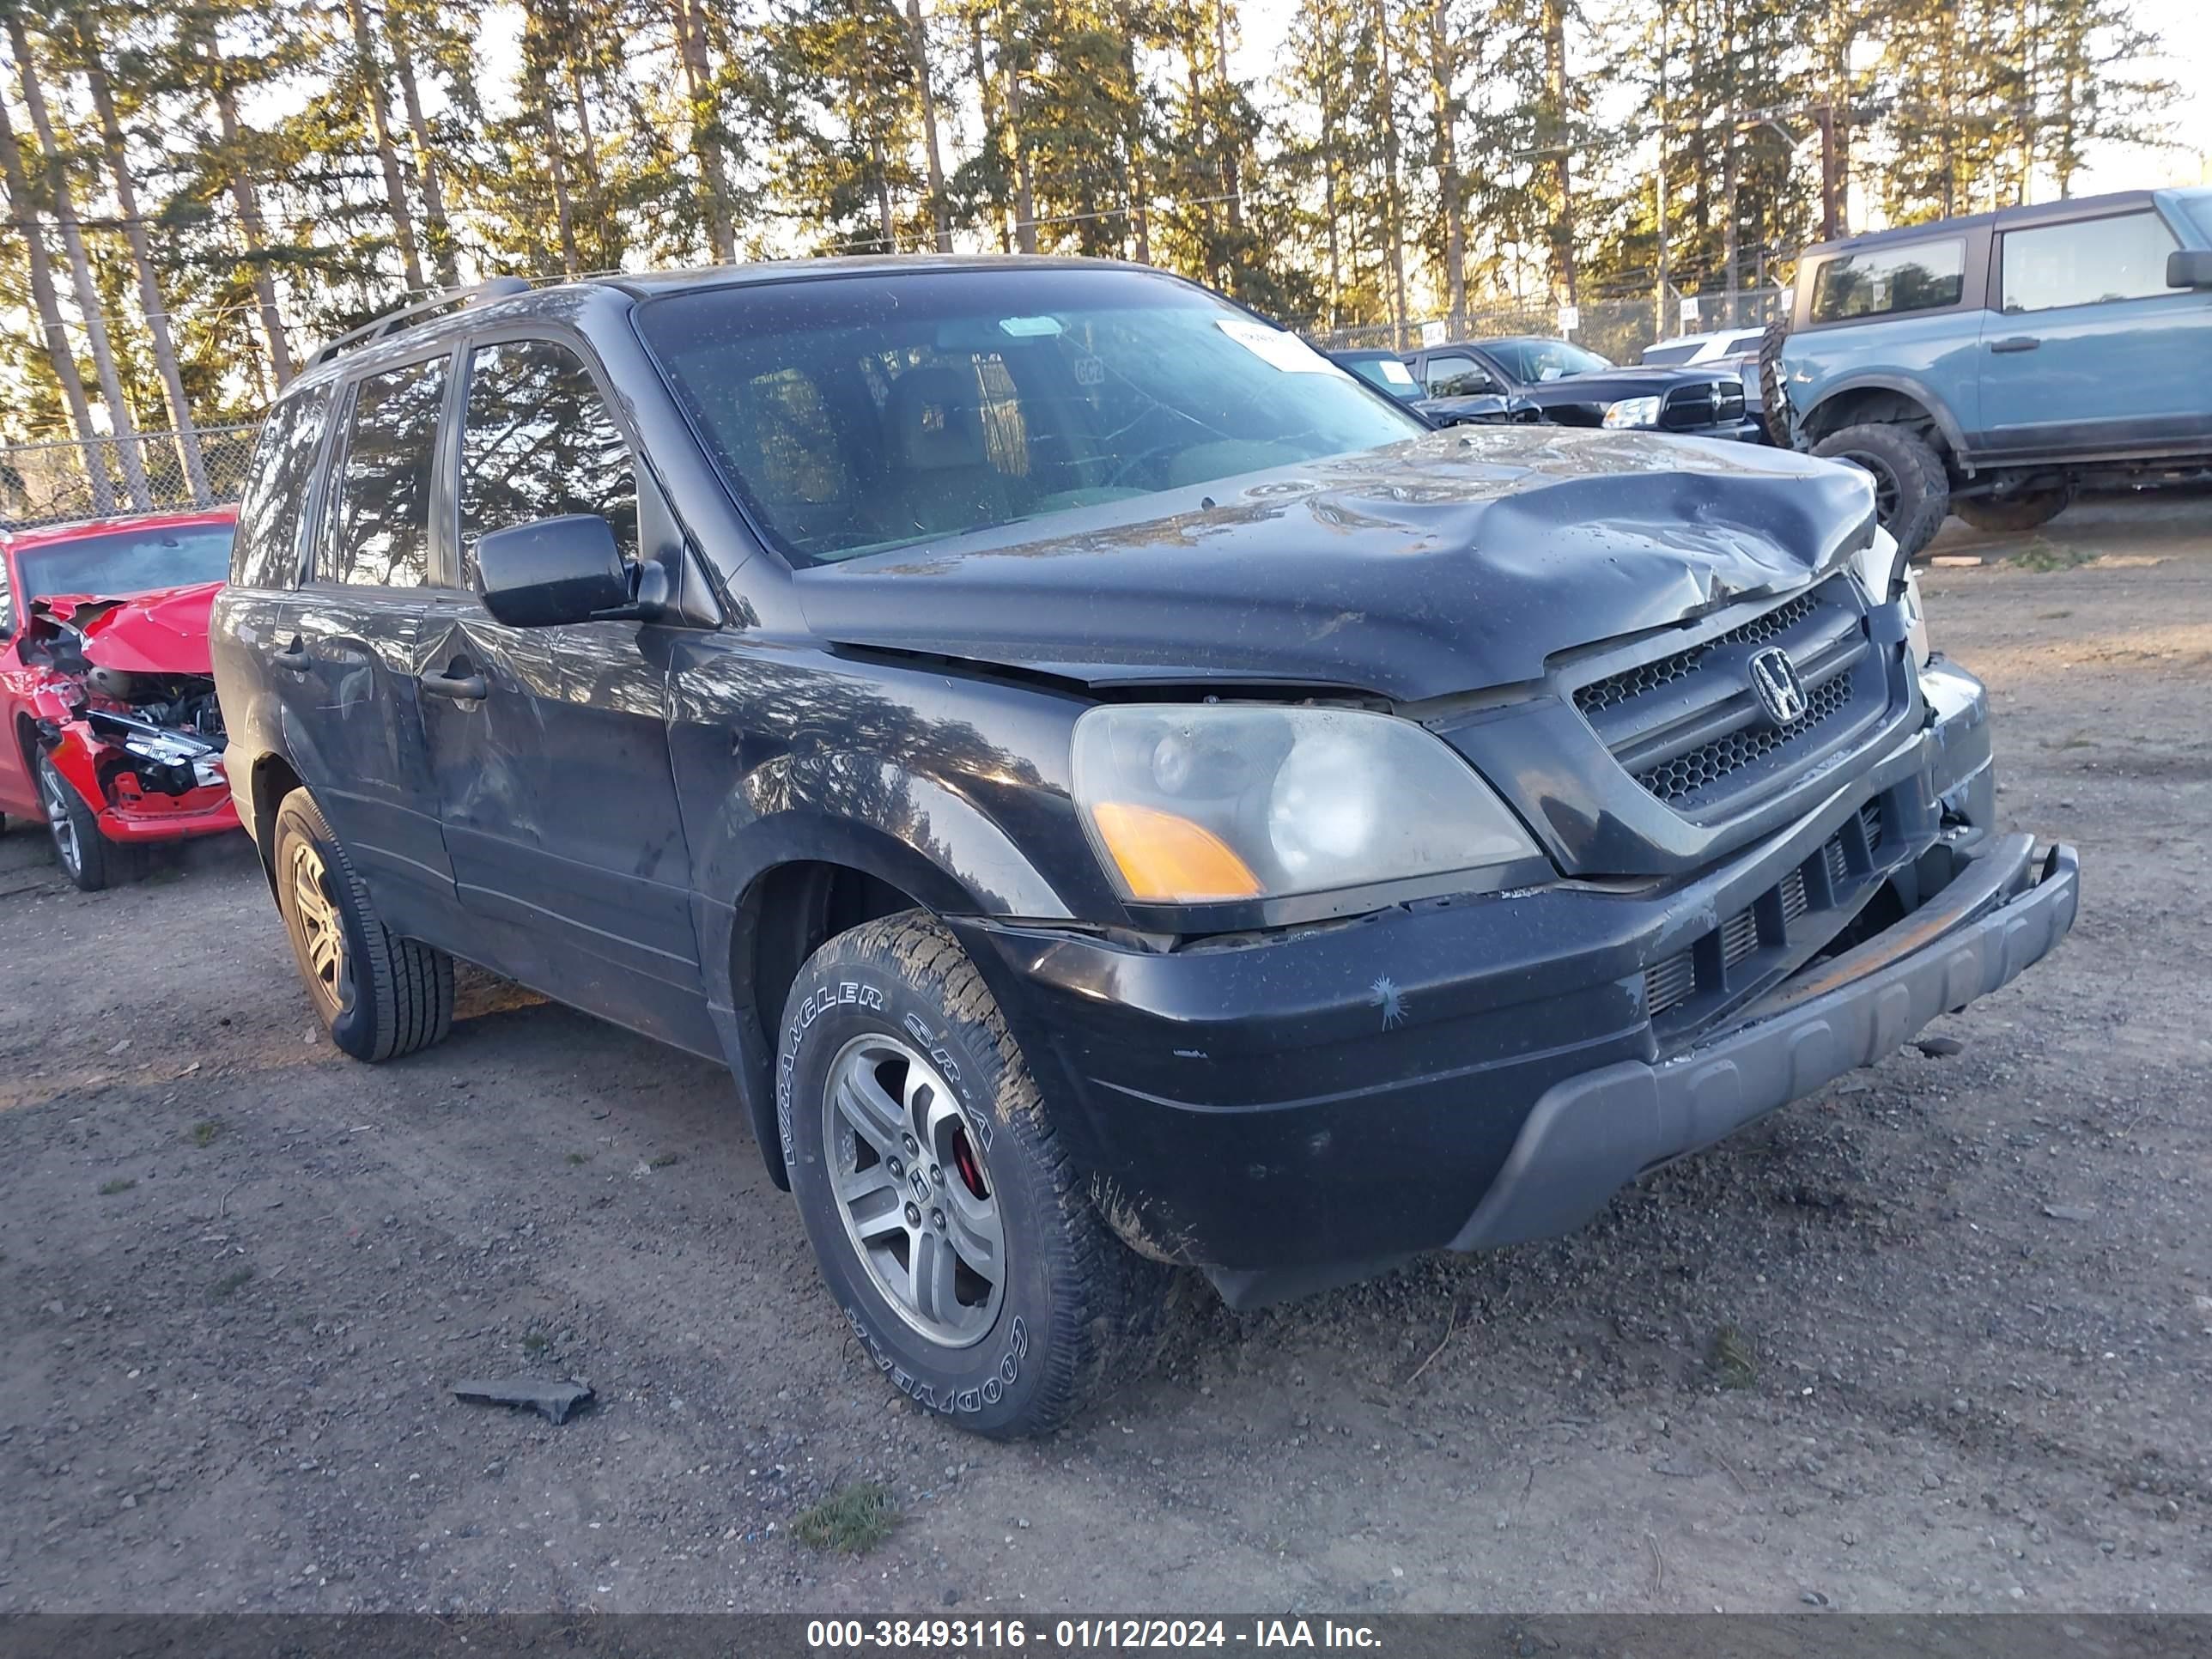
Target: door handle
2017,342
293,655
461,688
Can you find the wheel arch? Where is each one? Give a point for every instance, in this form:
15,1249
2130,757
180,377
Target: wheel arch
1894,399
273,778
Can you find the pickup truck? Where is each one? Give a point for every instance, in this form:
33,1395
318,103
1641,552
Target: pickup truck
1993,365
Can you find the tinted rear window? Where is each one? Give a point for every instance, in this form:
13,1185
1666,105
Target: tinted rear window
1663,355
379,535
856,414
267,553
118,562
1885,282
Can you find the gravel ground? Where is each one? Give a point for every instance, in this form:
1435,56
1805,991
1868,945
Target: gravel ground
1941,1337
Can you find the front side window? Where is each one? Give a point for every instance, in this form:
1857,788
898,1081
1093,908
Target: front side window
852,414
2086,263
112,564
1534,362
380,532
267,552
1882,282
538,443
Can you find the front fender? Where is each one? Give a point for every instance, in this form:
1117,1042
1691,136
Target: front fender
1906,385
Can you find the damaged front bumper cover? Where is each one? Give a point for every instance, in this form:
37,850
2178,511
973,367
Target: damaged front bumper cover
1296,1110
143,781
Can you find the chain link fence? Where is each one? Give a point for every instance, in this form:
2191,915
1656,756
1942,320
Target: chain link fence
56,482
1621,328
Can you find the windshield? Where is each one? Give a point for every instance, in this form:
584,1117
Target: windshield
2199,208
856,414
124,561
1530,361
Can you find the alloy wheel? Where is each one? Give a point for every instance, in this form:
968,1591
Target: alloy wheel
321,932
1885,490
913,1191
54,793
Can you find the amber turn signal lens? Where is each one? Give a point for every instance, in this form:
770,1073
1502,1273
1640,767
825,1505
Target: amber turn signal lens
1166,859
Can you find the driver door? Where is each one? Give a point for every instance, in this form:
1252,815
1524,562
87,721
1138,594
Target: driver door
550,746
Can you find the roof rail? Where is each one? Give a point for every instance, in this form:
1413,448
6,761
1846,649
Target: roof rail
497,288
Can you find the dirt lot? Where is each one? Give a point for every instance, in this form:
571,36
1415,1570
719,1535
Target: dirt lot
1941,1339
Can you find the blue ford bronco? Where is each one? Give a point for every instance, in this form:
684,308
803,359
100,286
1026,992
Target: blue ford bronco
1114,789
1992,366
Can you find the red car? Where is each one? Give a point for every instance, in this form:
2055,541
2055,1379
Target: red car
113,737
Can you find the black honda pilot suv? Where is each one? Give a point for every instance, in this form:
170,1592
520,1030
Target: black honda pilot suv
1115,789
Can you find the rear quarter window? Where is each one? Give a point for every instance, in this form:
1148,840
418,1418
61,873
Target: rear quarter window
1890,281
266,553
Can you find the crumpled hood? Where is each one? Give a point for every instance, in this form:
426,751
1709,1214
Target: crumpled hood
163,632
1450,562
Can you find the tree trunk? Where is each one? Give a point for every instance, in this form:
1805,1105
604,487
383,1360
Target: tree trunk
149,288
1133,137
1659,285
939,211
1563,166
250,225
1393,206
1444,71
564,213
439,228
371,71
22,210
88,296
1025,236
886,229
705,145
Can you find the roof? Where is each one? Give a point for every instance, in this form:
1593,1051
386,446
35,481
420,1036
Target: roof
45,535
2008,218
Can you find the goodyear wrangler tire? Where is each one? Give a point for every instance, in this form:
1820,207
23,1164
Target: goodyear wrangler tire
380,996
949,1227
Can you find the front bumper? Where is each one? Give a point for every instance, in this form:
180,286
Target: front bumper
116,786
1295,1108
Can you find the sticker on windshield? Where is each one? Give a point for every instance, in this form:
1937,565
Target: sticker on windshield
1030,328
1090,370
1396,373
1271,345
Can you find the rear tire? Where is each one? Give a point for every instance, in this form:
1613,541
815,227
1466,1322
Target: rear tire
1773,397
2024,511
948,1223
380,996
79,847
1913,492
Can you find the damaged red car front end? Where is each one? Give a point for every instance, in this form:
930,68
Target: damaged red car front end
117,734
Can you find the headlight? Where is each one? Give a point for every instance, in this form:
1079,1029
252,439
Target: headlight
1916,619
1632,411
1887,577
1196,805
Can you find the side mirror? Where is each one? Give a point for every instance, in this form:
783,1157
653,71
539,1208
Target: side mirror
2189,267
552,570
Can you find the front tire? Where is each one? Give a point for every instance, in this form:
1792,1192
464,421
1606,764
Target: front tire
79,847
1773,393
1913,492
2024,511
380,996
941,1204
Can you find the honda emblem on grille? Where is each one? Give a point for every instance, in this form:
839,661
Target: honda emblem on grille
1781,693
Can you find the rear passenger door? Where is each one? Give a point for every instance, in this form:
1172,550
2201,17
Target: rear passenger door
554,788
342,655
2091,350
